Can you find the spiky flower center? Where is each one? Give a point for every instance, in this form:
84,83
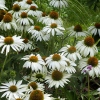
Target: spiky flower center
1,17
53,25
43,14
24,15
16,7
33,58
54,15
3,12
8,40
93,61
78,28
89,41
9,14
7,18
33,8
33,85
25,40
68,63
13,88
39,76
29,2
97,25
56,57
37,28
72,49
57,75
18,99
36,95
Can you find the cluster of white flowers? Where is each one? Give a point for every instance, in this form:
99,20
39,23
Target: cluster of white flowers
57,68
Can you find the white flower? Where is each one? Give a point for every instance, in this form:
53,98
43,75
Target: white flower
32,11
14,42
70,52
35,62
57,78
94,62
70,68
38,94
38,33
87,47
53,17
53,29
58,3
12,89
8,22
76,31
16,11
95,29
27,45
24,19
34,86
56,61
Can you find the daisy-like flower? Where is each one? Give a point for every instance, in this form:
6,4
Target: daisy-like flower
32,11
95,29
76,31
15,43
87,47
8,22
34,86
58,3
16,11
54,29
70,52
24,19
53,17
56,61
57,78
27,3
38,33
94,62
38,95
27,44
35,62
13,89
71,67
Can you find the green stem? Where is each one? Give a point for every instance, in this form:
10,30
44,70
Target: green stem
88,87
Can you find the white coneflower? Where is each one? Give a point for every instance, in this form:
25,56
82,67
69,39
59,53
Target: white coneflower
13,89
35,62
28,45
16,11
76,31
7,43
54,29
87,47
38,95
70,52
93,62
53,17
56,61
24,19
32,11
8,22
38,33
95,29
57,78
58,3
